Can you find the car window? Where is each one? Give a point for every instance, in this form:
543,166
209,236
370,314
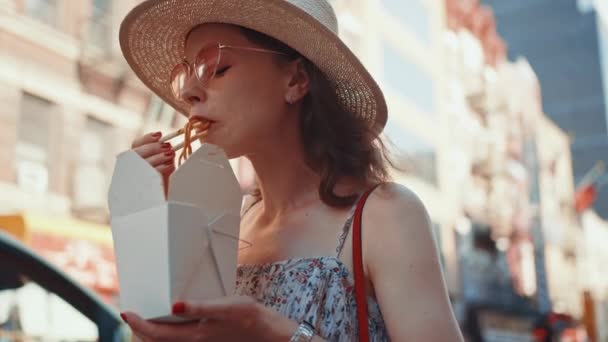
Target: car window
41,302
32,313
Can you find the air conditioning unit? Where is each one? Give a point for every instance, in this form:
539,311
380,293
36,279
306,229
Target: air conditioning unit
89,188
32,176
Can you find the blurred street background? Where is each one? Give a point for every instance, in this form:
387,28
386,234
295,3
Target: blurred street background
497,108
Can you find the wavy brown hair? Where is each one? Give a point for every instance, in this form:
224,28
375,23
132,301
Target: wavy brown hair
337,144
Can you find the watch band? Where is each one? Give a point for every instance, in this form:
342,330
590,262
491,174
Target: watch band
304,333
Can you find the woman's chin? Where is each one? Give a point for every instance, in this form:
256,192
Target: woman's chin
228,150
231,153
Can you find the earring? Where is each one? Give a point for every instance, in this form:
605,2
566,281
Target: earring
290,99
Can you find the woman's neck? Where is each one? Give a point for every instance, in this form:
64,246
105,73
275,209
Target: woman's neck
284,179
285,182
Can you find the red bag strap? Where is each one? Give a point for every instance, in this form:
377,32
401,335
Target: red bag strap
360,294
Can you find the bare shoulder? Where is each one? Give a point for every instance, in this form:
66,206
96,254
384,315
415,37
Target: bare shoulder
403,267
395,222
392,202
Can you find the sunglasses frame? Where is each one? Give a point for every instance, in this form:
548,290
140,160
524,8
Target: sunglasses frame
191,68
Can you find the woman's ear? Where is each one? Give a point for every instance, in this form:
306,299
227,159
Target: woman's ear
298,82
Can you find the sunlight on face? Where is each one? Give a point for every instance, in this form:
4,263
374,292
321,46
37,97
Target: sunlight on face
245,99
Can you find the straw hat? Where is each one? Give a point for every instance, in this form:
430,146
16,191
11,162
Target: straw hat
152,38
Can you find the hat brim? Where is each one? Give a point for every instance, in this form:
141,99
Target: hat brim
152,38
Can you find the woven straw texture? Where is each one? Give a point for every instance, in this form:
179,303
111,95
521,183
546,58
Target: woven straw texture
152,38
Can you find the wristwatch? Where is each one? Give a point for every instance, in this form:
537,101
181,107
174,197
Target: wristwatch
304,333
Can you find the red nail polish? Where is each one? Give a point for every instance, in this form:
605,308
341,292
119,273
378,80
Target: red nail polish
166,145
124,317
156,135
170,153
179,308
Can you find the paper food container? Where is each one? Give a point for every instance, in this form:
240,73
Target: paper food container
180,248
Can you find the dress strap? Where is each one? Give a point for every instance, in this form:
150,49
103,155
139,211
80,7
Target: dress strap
346,228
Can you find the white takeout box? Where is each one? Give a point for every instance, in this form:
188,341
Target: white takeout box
180,248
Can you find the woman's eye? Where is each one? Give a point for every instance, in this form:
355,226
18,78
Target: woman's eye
221,71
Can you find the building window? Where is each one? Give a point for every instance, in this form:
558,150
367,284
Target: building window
33,139
100,25
161,113
352,26
350,32
94,167
45,11
413,14
585,6
411,152
408,79
602,26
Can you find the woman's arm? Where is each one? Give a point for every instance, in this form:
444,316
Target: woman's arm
402,263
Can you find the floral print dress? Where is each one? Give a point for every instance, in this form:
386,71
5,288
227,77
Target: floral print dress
318,289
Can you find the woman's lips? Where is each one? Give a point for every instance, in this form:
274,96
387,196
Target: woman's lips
201,117
205,127
200,120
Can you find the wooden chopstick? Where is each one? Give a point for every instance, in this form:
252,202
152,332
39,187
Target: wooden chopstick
193,138
178,133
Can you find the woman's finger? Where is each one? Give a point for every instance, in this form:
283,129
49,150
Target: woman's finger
161,158
160,332
232,308
148,150
146,139
166,168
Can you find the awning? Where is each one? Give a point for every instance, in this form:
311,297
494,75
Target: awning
21,225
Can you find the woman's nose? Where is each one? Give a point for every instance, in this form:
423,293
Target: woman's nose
193,91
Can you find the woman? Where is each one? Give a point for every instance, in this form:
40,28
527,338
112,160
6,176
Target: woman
281,89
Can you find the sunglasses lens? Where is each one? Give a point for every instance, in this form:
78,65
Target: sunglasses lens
206,62
178,79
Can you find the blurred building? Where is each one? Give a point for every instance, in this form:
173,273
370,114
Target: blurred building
566,41
593,274
400,42
69,105
458,126
518,233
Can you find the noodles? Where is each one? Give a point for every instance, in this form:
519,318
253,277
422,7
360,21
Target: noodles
189,137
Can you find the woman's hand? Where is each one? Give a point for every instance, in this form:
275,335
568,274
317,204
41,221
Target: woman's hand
160,155
235,318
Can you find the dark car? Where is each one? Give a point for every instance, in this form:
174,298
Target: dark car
21,267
